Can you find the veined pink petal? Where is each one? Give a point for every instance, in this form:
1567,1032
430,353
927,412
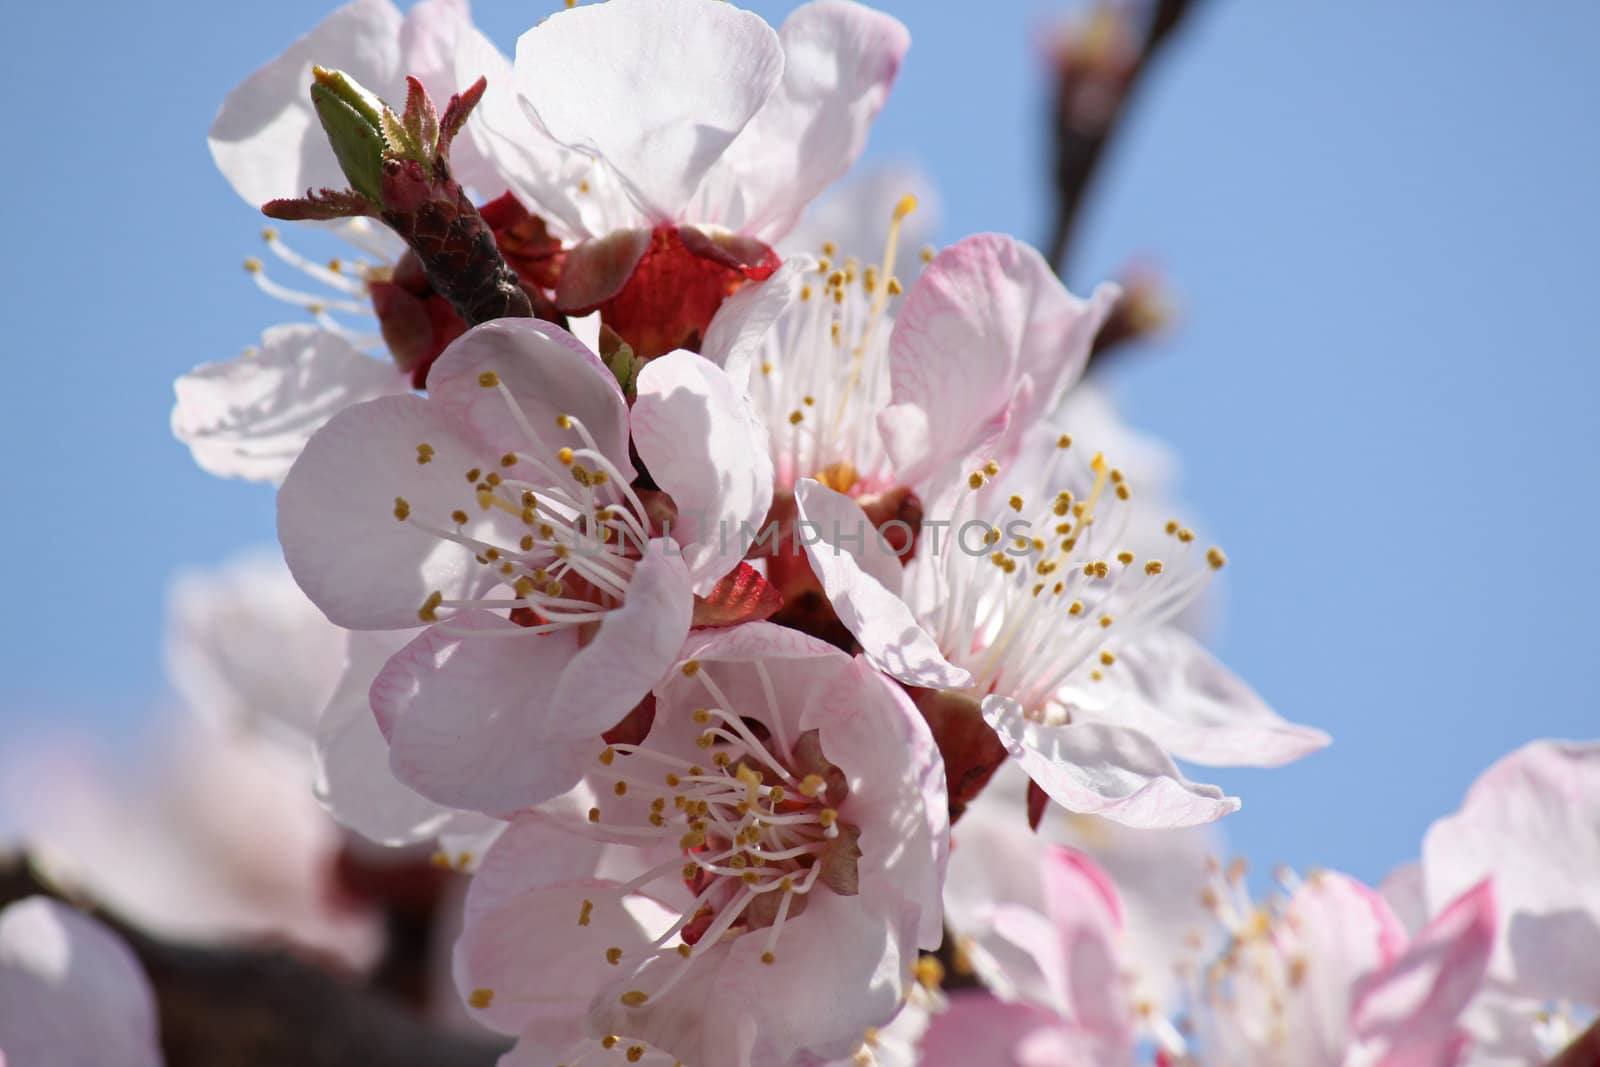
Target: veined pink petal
658,89
986,341
397,457
468,722
840,61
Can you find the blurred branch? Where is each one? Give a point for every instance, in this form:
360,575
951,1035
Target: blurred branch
1584,1052
247,1007
1098,69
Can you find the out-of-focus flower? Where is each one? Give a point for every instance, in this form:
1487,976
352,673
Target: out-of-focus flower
514,474
749,884
71,993
1532,822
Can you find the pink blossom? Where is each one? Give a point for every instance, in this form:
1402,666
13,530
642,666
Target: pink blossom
750,884
71,993
513,475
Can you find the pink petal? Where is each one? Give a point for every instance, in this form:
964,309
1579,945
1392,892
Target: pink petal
658,89
1533,822
548,373
465,726
1406,1013
862,579
266,139
703,443
840,61
978,1029
987,339
1173,689
1096,769
633,649
71,993
249,417
539,963
354,780
337,508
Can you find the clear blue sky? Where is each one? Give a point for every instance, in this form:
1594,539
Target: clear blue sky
1381,219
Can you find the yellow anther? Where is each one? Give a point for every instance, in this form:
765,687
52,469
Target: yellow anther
827,817
1064,441
929,973
1185,535
474,474
906,206
585,911
895,288
768,958
829,248
613,955
1172,526
927,253
609,1042
635,1052
1153,567
690,668
594,814
428,611
1125,558
1016,503
402,510
975,479
481,998
564,422
424,453
252,265
269,234
812,785
1215,557
1076,608
991,468
1108,658
633,998
1105,621
685,951
565,457
488,379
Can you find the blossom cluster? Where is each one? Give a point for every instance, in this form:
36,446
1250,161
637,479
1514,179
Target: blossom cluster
771,626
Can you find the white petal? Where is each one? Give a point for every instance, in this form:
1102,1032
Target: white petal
267,141
249,417
354,780
656,88
739,330
337,514
702,442
1104,770
840,60
1167,685
862,579
71,993
985,342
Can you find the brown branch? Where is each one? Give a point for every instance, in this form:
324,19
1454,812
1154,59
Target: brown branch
1584,1052
1094,87
249,1007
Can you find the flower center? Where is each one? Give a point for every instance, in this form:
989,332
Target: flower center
1036,585
756,823
583,528
825,372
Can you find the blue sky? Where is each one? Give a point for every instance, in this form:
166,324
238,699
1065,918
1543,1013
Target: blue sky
1379,218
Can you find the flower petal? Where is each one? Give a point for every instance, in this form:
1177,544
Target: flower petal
658,89
1095,769
862,577
337,514
71,993
467,729
1532,821
1168,686
703,444
839,62
1407,1013
354,780
634,648
548,373
249,417
266,139
738,331
987,318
